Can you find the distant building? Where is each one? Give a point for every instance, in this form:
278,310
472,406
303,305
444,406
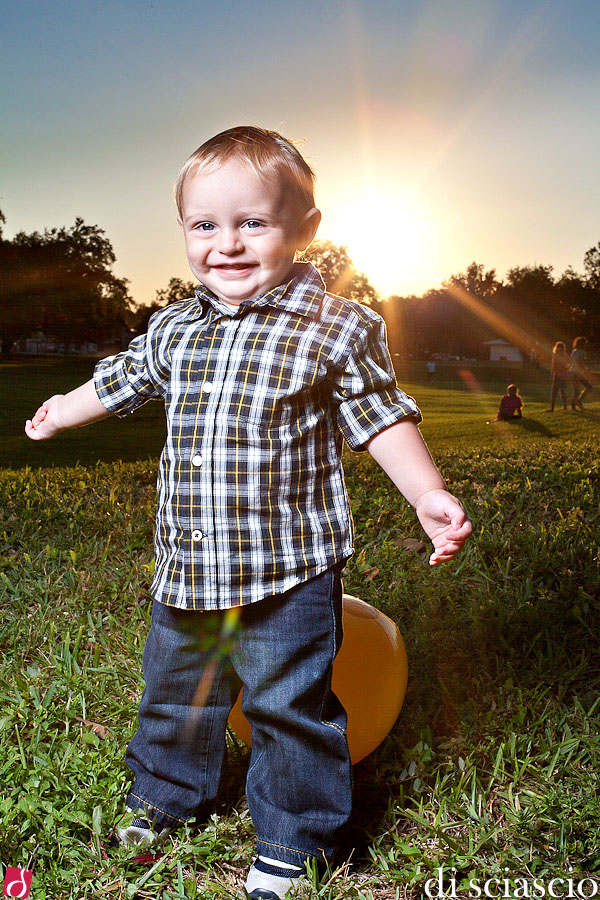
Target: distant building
42,344
502,351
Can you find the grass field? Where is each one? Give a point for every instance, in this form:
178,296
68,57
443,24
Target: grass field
459,406
492,768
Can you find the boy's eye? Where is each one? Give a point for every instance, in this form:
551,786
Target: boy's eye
204,226
253,223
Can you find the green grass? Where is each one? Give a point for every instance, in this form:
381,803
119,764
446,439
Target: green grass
459,407
493,766
25,385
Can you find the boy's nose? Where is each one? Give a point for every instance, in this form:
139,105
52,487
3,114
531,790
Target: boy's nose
230,241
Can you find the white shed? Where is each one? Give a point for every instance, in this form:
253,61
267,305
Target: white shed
502,351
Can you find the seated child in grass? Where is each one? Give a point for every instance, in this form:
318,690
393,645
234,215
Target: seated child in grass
511,405
263,374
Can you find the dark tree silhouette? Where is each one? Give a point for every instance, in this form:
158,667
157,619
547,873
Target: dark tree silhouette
61,282
529,309
591,264
339,274
177,289
453,319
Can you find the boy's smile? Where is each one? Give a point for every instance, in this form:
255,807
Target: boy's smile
242,231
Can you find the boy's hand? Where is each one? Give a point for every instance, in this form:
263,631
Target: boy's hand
79,407
46,422
446,523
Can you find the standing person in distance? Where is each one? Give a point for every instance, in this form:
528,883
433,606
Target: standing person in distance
579,373
560,372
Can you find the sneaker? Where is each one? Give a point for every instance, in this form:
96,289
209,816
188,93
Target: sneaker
140,833
260,894
270,880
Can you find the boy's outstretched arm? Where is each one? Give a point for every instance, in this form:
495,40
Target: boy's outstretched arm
403,455
62,411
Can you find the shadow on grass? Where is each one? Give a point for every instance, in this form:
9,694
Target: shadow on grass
535,427
523,424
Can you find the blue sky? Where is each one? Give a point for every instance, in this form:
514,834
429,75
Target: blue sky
441,132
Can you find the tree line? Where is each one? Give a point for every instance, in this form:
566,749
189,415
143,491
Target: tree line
61,282
529,308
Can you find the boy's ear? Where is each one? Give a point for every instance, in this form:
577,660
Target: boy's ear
307,228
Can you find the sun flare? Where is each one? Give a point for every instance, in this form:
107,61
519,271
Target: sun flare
387,237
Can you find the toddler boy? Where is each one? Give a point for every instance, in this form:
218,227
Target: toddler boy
263,374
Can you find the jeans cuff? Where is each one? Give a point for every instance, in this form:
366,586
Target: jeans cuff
290,855
159,818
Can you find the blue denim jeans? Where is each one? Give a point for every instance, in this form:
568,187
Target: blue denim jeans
299,782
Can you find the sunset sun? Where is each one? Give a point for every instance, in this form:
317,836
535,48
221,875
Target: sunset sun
387,238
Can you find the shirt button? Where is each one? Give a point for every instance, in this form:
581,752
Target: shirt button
207,387
197,535
196,460
225,321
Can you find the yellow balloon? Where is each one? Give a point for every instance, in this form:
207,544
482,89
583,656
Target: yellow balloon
370,674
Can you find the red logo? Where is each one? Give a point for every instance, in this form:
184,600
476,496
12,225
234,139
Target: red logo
17,882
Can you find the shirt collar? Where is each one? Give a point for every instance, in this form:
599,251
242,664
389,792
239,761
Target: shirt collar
302,294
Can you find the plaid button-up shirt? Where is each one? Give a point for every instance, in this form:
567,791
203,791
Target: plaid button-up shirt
251,494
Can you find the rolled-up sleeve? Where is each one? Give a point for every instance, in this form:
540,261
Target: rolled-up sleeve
125,381
365,390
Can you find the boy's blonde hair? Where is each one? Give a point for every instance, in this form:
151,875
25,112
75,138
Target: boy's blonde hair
267,152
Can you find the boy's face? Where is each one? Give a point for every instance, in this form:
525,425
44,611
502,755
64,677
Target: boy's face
242,231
